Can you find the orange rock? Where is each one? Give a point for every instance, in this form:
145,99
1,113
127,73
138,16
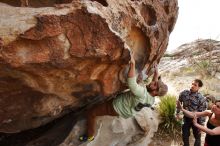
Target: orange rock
56,59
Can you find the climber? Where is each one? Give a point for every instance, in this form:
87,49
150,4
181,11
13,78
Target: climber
128,103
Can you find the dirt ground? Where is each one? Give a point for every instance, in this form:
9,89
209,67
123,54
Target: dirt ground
165,140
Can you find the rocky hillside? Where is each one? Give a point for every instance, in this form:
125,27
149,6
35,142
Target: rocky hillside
198,59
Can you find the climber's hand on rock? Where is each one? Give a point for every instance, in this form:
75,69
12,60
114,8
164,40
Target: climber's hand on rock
132,58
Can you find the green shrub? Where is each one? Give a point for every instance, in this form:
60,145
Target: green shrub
204,64
204,67
168,55
169,124
187,69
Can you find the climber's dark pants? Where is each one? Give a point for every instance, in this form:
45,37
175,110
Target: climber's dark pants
188,124
102,109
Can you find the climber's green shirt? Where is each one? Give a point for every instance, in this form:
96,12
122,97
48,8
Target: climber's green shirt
125,103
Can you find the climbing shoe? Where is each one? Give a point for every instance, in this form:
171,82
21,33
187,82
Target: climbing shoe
85,138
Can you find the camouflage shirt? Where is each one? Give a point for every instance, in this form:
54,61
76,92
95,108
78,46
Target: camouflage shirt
193,101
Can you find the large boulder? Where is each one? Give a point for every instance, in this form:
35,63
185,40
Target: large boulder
57,59
136,131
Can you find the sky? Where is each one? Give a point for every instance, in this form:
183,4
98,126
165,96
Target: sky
197,19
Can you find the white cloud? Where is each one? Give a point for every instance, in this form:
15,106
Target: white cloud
196,19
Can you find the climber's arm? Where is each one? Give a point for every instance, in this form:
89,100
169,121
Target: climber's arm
156,74
135,88
131,72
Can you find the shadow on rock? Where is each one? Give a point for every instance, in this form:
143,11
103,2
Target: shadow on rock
51,134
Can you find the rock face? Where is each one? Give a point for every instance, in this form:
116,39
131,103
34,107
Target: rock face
57,59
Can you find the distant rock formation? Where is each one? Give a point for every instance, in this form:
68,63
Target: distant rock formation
54,60
198,59
193,53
